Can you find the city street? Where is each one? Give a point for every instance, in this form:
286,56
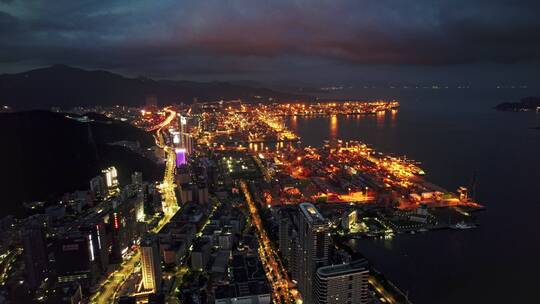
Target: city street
108,291
276,274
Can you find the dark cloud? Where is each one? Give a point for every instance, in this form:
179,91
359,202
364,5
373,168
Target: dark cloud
8,23
172,38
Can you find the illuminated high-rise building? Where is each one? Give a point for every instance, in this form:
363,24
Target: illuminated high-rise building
75,257
180,157
125,227
183,124
176,137
314,243
342,283
95,231
184,139
110,177
151,264
349,220
188,142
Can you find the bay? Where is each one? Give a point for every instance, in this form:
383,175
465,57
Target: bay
456,134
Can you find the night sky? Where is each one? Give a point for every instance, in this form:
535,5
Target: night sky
303,41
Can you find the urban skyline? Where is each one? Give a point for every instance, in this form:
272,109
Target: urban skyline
269,152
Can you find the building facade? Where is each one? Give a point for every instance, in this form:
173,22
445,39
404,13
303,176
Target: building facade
314,241
343,283
151,264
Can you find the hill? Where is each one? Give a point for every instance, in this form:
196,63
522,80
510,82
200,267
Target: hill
45,154
66,86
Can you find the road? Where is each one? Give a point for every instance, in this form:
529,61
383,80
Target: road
167,187
165,122
6,263
108,290
381,291
275,272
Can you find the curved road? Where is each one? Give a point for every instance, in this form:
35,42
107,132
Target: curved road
106,293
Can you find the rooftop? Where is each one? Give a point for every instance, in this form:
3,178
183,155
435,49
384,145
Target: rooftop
311,213
343,269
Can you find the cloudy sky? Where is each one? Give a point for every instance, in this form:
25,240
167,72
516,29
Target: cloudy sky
277,40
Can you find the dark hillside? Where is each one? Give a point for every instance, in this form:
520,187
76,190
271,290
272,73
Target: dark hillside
45,154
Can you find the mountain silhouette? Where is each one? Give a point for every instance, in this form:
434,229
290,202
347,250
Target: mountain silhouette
66,86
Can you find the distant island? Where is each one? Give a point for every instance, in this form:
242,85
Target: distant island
531,103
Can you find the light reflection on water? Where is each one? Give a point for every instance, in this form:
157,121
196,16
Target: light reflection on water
333,127
454,135
293,125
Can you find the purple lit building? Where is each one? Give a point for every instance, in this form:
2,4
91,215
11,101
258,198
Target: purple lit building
180,157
